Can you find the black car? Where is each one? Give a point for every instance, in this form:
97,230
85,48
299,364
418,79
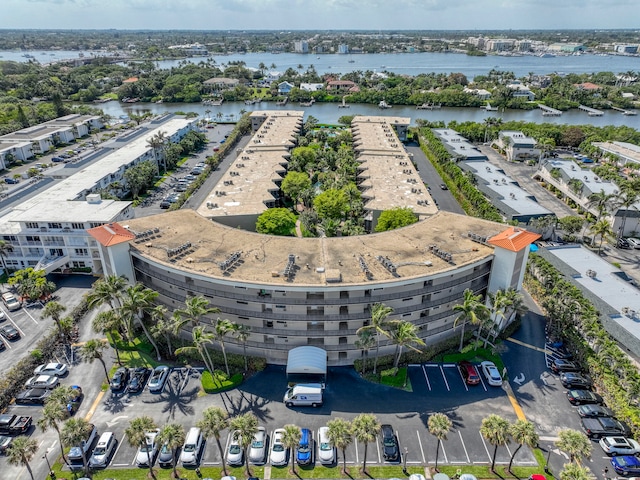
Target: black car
599,427
623,243
581,397
167,457
11,181
9,332
575,380
120,379
561,365
591,411
390,449
33,395
138,379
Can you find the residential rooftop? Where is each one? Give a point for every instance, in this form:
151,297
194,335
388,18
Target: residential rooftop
458,146
627,152
46,129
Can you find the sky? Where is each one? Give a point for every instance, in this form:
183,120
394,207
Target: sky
319,14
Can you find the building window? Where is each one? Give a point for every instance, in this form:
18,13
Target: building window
32,225
78,264
407,299
54,225
34,238
81,252
77,226
281,307
10,238
268,323
241,302
95,224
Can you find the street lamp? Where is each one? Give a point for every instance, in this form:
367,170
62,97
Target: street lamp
546,466
52,474
404,466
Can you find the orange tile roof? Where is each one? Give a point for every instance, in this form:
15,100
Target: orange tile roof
588,86
130,80
514,239
111,234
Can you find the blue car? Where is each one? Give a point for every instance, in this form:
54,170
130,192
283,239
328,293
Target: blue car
626,464
303,449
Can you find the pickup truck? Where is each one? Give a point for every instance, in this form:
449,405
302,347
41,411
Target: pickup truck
604,427
14,424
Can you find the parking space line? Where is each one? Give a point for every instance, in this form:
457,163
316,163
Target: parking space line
357,458
6,344
378,450
463,382
444,453
485,446
482,382
29,315
115,454
464,447
444,377
424,460
426,377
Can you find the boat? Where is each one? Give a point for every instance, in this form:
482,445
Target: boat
343,104
383,105
318,58
489,108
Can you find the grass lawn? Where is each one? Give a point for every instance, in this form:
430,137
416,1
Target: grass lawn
397,379
220,383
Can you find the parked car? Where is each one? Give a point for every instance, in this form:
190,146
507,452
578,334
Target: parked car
10,332
303,449
619,446
491,373
234,452
390,450
43,381
469,373
33,395
11,302
599,427
138,379
57,369
623,243
158,378
147,452
443,186
580,397
105,448
167,457
278,452
3,316
326,451
57,159
5,441
258,447
575,380
626,465
76,399
75,453
590,411
11,181
634,243
561,365
120,379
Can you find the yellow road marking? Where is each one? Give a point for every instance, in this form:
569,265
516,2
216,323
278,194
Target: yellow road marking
514,401
532,347
94,406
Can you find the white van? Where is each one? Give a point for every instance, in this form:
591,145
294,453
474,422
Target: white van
104,449
192,447
304,395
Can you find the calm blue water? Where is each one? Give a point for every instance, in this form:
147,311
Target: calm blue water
404,63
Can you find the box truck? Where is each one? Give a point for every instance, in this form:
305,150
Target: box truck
304,395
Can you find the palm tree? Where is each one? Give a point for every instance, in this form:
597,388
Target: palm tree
74,432
365,428
439,426
340,437
136,434
53,310
108,322
523,432
625,200
601,201
365,342
495,430
471,310
93,350
161,325
222,327
172,435
601,228
21,452
138,300
242,333
214,420
573,471
246,426
195,308
200,339
107,290
403,334
290,439
52,415
575,443
379,323
157,143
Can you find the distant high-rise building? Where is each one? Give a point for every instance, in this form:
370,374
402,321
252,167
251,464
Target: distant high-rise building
301,46
343,48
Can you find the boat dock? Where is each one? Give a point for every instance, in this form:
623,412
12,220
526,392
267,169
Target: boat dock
213,103
343,104
428,106
548,111
282,103
592,112
624,112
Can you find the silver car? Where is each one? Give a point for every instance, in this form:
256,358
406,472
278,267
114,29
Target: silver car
278,451
258,449
234,453
148,452
326,451
158,378
43,381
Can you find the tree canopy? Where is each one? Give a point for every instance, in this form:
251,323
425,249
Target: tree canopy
276,221
395,218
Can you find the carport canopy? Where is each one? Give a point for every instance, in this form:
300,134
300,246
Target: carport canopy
307,360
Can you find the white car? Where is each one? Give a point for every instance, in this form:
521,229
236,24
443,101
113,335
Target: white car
634,242
57,369
258,448
234,453
491,373
619,446
278,451
326,451
43,381
149,451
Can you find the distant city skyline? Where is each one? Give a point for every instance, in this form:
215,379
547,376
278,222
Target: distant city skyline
318,14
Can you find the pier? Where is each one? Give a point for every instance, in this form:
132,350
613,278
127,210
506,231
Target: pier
592,112
623,111
548,111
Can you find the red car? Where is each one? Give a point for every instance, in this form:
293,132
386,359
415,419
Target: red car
469,372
